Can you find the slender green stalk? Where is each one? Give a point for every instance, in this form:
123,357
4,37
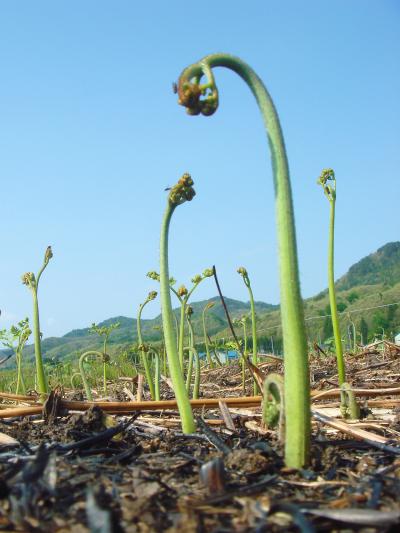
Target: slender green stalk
243,272
15,339
180,193
193,355
182,292
32,283
197,375
143,355
243,321
189,312
204,99
157,373
105,366
82,371
164,352
184,295
75,375
206,343
20,389
330,192
104,331
176,329
243,355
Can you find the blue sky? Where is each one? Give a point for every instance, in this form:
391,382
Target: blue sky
91,134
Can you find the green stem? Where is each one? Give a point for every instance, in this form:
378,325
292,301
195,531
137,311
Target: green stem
243,360
196,388
209,360
72,379
182,398
253,321
354,338
184,302
176,327
105,365
20,380
253,327
143,355
332,297
297,386
165,361
181,332
191,355
82,371
157,372
40,374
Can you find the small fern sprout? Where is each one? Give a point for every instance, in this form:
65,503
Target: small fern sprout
15,339
243,272
327,176
181,192
208,306
105,332
82,359
349,408
32,282
142,347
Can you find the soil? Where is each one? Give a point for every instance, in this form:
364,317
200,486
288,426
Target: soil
95,472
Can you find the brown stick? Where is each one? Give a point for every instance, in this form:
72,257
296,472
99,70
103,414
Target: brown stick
21,411
333,393
131,407
210,403
349,429
249,401
20,397
371,403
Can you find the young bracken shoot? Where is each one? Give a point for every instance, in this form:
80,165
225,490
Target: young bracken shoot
208,306
349,407
143,355
82,359
15,339
181,192
183,294
104,331
30,280
243,322
202,98
330,192
243,272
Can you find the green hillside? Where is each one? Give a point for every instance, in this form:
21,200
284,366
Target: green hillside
79,340
381,267
365,295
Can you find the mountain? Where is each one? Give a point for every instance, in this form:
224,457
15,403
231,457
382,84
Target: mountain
79,340
366,296
383,266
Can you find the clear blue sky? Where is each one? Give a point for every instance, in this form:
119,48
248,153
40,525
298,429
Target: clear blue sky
91,134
